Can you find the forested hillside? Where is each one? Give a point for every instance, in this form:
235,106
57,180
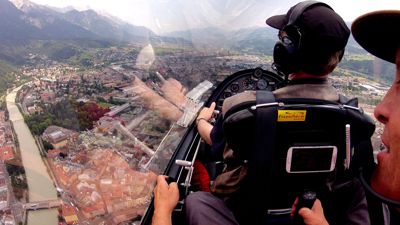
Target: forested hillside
7,76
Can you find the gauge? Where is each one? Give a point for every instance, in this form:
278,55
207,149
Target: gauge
227,94
257,73
262,84
235,87
248,84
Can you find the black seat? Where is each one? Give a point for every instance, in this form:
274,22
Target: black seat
264,132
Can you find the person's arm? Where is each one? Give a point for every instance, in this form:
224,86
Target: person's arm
166,196
357,211
313,216
203,126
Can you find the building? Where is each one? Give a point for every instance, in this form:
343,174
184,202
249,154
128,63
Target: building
47,96
69,213
58,136
6,153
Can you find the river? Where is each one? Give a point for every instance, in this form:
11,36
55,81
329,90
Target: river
40,185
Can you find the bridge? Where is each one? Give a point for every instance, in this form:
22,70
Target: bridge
121,108
118,110
55,203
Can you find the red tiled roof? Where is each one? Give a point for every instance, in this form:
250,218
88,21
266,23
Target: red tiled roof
6,153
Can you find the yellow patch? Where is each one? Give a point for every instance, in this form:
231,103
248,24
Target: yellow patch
291,115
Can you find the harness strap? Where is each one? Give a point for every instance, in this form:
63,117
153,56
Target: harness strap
261,158
375,207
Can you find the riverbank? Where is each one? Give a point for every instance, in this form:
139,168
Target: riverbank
40,185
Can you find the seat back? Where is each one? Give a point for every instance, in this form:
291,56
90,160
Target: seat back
290,145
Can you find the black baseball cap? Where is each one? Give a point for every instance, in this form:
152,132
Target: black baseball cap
378,32
319,24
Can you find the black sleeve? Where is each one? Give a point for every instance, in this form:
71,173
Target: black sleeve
218,140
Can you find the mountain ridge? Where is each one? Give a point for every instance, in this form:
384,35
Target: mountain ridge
24,22
86,24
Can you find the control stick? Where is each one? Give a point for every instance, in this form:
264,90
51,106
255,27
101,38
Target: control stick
306,199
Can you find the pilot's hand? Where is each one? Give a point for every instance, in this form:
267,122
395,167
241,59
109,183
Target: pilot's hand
207,112
166,197
313,216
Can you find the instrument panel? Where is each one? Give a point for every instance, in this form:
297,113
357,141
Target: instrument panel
246,80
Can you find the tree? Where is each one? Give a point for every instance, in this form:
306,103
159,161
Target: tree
47,146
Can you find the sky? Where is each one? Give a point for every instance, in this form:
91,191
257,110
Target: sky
169,15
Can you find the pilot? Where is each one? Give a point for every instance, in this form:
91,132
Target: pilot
308,49
378,33
312,39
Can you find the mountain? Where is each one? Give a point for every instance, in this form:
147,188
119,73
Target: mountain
27,27
7,76
32,21
262,40
255,40
72,24
107,28
12,24
210,37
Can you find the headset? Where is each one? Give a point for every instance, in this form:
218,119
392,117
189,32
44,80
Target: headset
286,50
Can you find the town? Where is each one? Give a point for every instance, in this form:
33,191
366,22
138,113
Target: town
99,129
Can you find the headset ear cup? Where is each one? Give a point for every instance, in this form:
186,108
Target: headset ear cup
285,57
